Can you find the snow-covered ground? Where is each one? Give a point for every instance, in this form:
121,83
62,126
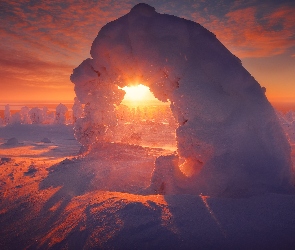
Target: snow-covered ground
114,195
51,198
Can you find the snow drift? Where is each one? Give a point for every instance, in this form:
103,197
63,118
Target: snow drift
229,139
50,199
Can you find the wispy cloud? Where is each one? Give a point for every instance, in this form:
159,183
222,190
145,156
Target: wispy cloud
248,35
42,41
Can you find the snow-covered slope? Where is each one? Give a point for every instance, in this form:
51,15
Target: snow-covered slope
48,201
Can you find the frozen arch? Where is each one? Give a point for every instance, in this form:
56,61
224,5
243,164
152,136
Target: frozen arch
228,132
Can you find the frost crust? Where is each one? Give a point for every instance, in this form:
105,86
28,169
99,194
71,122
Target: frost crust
228,135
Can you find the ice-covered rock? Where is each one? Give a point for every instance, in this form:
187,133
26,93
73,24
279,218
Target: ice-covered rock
228,131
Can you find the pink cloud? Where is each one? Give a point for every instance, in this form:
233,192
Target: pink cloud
42,42
247,36
47,26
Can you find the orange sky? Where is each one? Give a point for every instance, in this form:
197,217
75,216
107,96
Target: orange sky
42,41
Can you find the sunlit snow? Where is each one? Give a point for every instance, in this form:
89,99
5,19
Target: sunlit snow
228,134
207,167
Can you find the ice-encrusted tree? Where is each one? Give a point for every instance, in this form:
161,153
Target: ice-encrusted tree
24,113
16,118
7,115
1,122
60,114
36,115
99,99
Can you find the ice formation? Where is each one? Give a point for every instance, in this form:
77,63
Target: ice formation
288,124
77,110
16,118
228,139
12,142
46,140
24,112
48,118
60,114
7,115
36,115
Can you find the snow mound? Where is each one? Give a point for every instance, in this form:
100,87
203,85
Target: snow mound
109,167
46,140
12,142
31,170
5,160
229,138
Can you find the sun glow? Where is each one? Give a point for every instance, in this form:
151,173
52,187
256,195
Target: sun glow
138,94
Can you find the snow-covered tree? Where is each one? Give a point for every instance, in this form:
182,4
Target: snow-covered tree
25,117
60,114
7,114
36,115
16,118
1,122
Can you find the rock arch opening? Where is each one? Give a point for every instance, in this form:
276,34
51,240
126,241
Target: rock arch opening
144,120
228,132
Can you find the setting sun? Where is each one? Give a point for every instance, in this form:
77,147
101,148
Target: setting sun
138,93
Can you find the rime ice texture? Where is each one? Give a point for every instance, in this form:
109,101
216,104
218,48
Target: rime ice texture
36,115
25,117
7,115
77,110
228,132
60,114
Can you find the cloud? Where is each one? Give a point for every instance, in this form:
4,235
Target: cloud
19,60
42,41
67,28
248,35
249,28
13,61
57,26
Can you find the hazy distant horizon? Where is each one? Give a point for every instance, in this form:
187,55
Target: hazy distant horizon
283,106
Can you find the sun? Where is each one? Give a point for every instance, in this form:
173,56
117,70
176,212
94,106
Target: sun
138,94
